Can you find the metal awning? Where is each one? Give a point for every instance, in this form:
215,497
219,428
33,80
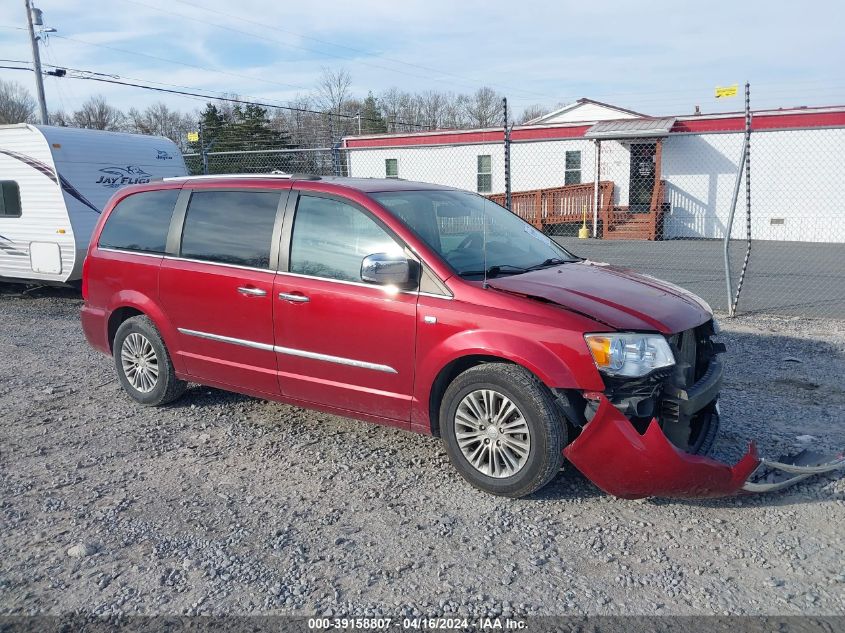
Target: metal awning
631,128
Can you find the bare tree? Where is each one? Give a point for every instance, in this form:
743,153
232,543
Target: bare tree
455,112
533,112
484,108
432,108
97,114
16,104
159,120
60,118
333,89
401,110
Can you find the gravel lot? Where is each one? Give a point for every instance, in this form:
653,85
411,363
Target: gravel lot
227,504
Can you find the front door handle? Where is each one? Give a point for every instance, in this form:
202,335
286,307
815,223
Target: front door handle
252,292
294,298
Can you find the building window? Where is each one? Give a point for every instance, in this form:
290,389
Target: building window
10,199
391,167
485,174
573,168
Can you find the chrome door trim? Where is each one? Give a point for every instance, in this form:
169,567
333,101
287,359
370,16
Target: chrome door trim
289,351
227,339
174,258
109,249
360,284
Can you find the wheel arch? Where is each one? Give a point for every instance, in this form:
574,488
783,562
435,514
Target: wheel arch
128,304
116,318
554,369
445,377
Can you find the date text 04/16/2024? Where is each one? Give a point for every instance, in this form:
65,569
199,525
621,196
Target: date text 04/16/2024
417,624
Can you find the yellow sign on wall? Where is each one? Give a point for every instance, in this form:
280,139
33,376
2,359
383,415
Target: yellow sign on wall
726,91
193,137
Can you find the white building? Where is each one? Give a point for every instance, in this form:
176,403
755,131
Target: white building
680,182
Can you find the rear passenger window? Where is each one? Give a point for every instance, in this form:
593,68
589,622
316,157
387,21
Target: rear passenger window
10,199
140,222
331,238
230,227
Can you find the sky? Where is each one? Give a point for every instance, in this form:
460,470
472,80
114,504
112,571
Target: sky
653,57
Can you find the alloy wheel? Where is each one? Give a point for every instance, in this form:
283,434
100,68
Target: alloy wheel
139,361
492,433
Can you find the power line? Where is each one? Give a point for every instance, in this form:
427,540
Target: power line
173,61
321,52
233,99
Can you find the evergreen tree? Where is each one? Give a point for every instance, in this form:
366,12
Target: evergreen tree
247,128
372,122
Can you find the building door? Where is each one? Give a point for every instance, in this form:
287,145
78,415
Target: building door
641,184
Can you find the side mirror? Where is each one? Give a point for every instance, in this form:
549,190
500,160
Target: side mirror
386,269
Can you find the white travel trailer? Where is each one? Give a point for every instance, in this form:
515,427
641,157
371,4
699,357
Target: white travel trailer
55,182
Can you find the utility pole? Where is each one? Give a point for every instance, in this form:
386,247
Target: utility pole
36,59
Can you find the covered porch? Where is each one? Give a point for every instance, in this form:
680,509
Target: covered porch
627,200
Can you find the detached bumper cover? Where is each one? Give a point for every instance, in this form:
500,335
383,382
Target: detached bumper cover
623,463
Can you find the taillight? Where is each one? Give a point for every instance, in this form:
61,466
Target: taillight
85,278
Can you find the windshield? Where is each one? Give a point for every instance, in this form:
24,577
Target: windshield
453,224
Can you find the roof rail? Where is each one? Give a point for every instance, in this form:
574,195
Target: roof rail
275,174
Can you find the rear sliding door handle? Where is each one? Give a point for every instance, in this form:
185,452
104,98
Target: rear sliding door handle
294,298
252,292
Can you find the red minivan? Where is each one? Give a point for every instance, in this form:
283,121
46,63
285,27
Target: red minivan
415,305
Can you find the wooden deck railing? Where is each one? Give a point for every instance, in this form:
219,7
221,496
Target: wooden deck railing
559,205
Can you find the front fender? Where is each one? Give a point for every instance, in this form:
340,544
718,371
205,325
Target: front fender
557,365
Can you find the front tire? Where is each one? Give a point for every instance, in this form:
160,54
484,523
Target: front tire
502,430
143,364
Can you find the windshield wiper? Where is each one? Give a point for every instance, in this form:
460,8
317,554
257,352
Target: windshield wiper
495,271
552,261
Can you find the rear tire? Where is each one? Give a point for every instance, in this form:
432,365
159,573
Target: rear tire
502,430
143,364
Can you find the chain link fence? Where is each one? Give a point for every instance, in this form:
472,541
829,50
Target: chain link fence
654,195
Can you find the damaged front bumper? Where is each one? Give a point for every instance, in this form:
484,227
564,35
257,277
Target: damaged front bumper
612,454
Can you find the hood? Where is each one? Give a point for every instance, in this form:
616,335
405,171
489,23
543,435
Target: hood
620,298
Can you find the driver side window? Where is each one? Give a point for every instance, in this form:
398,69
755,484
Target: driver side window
331,238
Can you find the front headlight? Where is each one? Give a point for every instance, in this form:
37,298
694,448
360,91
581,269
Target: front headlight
630,355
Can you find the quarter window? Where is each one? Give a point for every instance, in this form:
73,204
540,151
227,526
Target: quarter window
230,227
485,174
140,222
331,238
573,168
391,167
10,199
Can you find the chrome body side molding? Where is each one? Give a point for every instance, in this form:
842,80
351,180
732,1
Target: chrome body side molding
289,351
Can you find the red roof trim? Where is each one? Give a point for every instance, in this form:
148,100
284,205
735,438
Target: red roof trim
792,120
762,122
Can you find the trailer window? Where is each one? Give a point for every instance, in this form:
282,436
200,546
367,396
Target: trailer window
230,227
10,199
140,222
